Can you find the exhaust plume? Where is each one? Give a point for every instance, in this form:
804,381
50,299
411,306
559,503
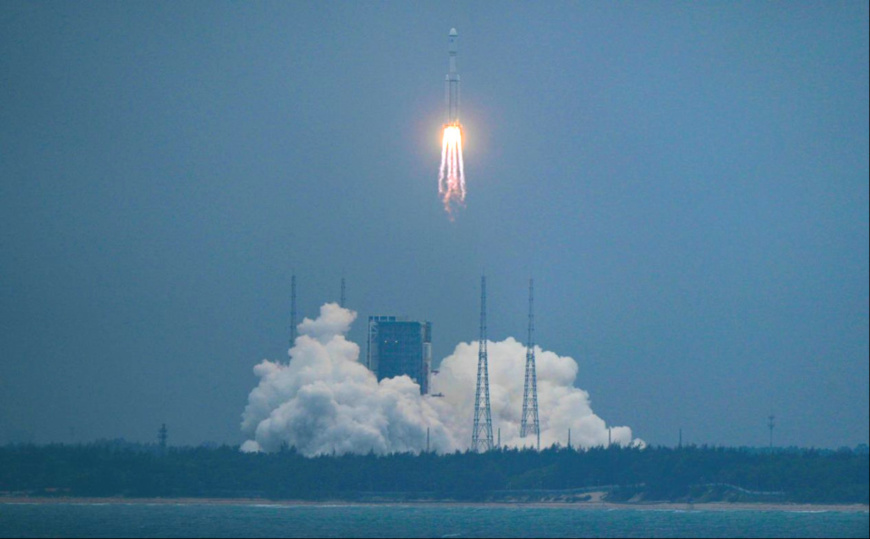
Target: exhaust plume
451,175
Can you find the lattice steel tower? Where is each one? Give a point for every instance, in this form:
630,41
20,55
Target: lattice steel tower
482,443
293,310
341,301
530,424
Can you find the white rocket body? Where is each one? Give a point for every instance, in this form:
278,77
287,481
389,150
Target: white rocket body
452,80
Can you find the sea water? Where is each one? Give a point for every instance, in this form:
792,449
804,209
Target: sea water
337,520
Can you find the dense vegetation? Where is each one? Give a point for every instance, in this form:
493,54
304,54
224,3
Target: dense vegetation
656,473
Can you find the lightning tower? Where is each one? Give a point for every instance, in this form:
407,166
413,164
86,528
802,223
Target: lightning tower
293,310
341,301
770,425
482,441
161,437
529,423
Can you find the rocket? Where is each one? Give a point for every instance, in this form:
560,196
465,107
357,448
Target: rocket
451,177
452,79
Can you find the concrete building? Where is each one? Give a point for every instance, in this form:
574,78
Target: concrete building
396,346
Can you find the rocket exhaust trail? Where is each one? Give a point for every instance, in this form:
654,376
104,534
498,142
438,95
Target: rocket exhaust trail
451,179
451,175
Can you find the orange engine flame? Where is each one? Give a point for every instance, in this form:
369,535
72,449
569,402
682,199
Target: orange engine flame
451,177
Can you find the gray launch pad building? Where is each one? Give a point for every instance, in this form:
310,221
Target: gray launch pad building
396,346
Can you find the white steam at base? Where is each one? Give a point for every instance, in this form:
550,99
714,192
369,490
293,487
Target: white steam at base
324,401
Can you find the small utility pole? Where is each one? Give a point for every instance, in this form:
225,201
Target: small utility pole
161,437
770,426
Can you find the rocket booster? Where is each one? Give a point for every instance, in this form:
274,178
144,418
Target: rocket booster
452,80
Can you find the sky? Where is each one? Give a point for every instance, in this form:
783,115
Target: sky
687,183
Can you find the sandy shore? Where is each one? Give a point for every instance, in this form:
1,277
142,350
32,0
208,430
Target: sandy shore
720,506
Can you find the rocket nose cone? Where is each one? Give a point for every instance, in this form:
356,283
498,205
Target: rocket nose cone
453,32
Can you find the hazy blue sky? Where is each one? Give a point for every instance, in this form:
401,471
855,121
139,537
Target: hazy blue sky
687,182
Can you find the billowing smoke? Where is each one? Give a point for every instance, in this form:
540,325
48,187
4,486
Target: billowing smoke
325,401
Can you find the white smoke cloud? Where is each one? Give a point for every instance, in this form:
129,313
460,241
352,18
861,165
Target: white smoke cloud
561,406
325,401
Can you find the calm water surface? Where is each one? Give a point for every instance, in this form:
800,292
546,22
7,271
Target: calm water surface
153,520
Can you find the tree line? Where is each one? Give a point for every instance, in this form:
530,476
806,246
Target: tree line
690,474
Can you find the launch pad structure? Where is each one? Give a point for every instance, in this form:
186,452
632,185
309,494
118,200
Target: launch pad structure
397,346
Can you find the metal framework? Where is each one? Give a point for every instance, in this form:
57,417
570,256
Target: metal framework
482,442
530,424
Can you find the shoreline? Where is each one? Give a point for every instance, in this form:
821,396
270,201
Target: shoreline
607,506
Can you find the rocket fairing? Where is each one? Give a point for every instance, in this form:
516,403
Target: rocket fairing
452,79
